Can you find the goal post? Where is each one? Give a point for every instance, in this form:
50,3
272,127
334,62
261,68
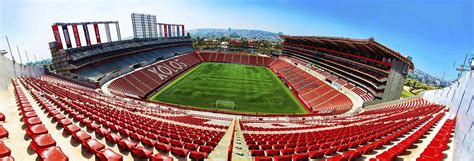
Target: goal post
220,104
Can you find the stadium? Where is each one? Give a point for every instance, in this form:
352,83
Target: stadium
156,97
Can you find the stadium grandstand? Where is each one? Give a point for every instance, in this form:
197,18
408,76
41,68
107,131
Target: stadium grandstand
156,98
96,63
370,69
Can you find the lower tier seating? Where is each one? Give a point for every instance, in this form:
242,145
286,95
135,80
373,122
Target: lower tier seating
41,142
349,138
142,82
5,152
131,130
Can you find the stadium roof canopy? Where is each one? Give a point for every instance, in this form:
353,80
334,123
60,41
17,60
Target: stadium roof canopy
349,45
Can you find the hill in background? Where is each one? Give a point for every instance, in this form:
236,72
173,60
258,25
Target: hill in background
236,33
428,79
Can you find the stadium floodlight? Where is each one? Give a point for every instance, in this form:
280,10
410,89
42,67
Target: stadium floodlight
3,52
144,25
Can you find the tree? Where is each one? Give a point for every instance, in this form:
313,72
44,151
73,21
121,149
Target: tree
245,43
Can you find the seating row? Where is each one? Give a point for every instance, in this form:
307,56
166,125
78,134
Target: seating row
318,96
341,143
142,82
128,130
41,141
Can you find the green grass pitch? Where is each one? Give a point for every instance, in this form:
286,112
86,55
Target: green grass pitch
253,89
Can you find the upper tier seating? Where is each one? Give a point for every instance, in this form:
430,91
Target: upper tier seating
359,91
98,70
370,78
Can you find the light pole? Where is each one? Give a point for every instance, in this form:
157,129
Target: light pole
464,67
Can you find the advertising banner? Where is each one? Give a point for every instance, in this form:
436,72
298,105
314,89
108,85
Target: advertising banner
97,33
57,36
76,35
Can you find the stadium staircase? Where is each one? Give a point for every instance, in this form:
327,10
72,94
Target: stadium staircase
221,151
240,150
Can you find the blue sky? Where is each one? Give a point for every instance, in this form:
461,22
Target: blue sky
435,33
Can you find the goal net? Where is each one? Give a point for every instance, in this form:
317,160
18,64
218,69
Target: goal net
225,104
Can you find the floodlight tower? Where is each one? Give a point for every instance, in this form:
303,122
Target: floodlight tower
464,67
11,53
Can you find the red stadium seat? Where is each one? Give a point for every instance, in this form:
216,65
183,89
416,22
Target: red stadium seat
301,150
177,143
30,114
141,152
53,153
36,130
2,117
109,155
112,137
273,152
300,157
7,158
32,121
93,146
160,157
81,136
4,150
316,154
3,132
127,144
257,153
263,158
163,147
206,149
72,128
287,151
181,152
282,158
148,141
41,142
64,122
196,155
191,146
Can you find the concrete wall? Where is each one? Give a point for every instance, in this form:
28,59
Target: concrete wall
10,70
459,98
395,81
